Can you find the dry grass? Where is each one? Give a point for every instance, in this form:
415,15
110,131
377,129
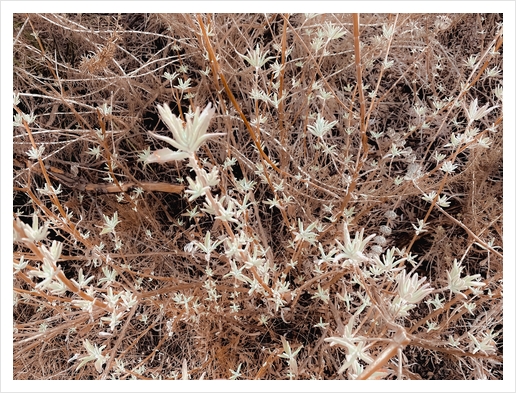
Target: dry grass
398,89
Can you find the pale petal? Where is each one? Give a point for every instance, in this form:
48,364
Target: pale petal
189,136
165,155
167,139
172,122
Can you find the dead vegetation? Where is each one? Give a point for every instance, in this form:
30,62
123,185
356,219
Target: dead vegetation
334,124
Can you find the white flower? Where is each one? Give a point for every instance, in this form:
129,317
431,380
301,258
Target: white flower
20,265
95,353
48,271
187,137
491,72
170,77
443,201
448,167
386,264
470,62
109,275
207,247
287,351
256,58
410,292
332,32
321,126
388,31
355,351
113,320
487,345
33,233
475,113
111,298
85,305
353,250
212,178
34,154
49,191
129,299
183,85
411,289
421,226
165,155
196,188
18,119
429,197
144,155
235,374
456,284
81,280
227,214
111,223
484,142
305,234
94,151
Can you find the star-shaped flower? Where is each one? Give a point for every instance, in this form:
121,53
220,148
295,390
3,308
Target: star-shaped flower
187,138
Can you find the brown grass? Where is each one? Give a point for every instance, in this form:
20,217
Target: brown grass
69,68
